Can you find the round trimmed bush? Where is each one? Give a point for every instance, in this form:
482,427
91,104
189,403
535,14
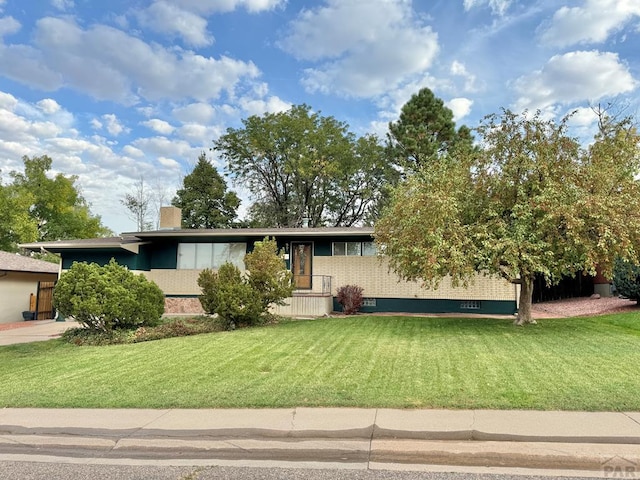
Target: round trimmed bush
108,297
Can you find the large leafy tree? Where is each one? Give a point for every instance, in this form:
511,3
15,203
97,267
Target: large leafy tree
530,201
299,164
204,199
16,224
424,131
54,205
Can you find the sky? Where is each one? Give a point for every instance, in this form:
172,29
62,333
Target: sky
119,90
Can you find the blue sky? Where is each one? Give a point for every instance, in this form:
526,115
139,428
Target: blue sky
115,90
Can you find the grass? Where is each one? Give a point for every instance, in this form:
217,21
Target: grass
364,361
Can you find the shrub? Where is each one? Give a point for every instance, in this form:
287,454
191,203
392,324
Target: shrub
169,328
626,278
229,294
245,300
97,338
108,297
350,297
268,274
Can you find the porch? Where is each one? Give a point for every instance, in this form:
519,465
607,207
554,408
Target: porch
311,298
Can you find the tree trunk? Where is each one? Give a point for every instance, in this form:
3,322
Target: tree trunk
526,299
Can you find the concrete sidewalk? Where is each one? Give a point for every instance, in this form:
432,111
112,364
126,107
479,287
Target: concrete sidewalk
32,331
599,443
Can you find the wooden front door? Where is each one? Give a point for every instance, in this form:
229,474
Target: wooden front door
302,255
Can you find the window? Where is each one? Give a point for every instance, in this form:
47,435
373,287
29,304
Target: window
470,305
368,302
369,249
354,249
198,256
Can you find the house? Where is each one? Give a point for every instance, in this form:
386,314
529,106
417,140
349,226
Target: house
321,259
26,285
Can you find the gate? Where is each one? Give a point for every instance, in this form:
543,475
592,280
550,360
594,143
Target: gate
44,301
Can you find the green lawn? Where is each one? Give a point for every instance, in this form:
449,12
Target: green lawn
363,361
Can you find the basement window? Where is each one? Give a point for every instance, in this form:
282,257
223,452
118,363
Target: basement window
369,302
470,305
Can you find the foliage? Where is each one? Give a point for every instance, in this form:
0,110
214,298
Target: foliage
204,199
138,205
245,300
424,132
16,223
301,165
55,204
228,293
531,201
350,297
169,328
268,274
82,336
107,297
626,278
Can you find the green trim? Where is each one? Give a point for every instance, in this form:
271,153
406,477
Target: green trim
424,305
101,257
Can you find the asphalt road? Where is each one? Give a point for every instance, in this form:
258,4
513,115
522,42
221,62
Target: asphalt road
62,471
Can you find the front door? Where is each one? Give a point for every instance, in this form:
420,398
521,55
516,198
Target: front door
301,264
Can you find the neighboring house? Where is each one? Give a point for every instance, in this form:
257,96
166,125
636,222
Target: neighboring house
21,279
321,259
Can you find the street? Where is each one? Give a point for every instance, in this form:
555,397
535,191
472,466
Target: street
64,471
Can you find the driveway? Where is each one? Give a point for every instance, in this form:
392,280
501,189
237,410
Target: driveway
32,331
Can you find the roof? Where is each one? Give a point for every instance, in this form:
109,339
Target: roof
12,262
124,242
132,241
256,232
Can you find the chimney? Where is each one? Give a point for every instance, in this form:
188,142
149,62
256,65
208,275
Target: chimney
170,218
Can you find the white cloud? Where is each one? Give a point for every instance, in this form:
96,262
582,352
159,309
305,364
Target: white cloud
67,55
218,6
132,151
372,46
592,23
164,147
461,107
197,134
498,7
9,26
169,163
159,126
271,104
458,69
167,17
194,112
584,117
574,77
63,4
187,18
113,125
8,101
48,106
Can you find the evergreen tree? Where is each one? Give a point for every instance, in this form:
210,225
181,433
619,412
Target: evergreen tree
204,199
425,131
